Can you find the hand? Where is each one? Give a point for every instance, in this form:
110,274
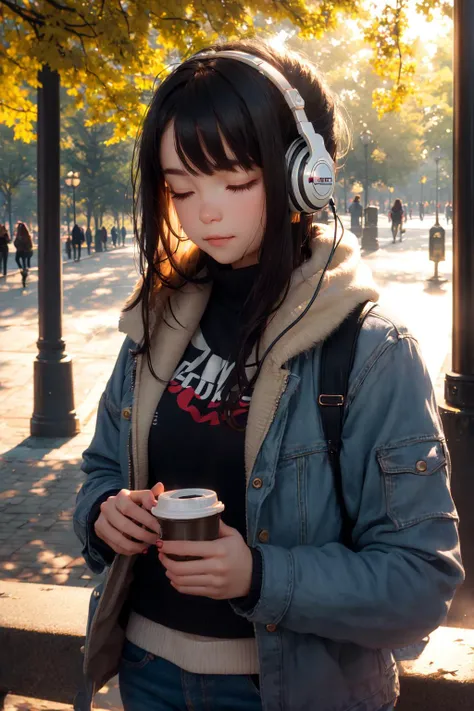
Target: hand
125,516
224,571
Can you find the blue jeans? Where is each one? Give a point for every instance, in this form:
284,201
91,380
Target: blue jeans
149,683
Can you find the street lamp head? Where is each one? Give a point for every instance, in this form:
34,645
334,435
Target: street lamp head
366,137
72,179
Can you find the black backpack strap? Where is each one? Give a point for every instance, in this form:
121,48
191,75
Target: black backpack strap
337,359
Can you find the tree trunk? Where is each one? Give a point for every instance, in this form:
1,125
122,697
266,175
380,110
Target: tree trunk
10,215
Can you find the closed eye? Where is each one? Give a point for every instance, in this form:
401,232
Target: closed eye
181,196
241,188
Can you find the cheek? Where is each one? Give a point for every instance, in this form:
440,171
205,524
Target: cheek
184,213
251,210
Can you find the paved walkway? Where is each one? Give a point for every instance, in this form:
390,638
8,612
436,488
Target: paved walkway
39,479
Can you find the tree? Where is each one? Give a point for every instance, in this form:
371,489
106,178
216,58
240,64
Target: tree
109,53
17,166
104,169
403,140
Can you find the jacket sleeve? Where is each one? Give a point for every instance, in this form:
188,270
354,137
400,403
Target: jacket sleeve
101,464
395,585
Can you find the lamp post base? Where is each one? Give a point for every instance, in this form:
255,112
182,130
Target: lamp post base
369,242
54,414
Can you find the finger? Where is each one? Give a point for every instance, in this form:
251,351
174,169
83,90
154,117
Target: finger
196,581
158,489
225,530
144,498
190,567
199,592
201,549
116,540
131,510
130,528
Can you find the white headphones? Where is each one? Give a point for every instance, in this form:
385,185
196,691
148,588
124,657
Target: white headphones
311,172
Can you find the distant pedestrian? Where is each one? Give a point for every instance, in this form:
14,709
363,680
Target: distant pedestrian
448,212
396,216
68,247
114,235
24,247
123,233
104,238
77,240
355,211
88,239
4,242
421,209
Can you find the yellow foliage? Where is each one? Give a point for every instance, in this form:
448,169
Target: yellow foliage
109,54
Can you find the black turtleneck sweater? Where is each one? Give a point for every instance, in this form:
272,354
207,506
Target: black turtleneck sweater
190,445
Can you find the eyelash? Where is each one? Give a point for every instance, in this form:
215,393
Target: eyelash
232,188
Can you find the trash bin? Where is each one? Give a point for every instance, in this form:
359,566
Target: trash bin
370,232
371,216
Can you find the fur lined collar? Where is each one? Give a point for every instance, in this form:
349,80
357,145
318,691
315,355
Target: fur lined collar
347,283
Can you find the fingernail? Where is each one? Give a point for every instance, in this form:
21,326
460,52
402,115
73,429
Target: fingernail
145,551
159,543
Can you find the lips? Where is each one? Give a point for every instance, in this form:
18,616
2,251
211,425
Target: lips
218,241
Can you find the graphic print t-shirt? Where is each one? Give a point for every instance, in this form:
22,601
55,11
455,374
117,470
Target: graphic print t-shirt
190,445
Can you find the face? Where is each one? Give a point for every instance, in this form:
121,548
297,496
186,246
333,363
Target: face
224,213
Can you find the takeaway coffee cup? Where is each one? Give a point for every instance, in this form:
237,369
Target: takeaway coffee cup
188,515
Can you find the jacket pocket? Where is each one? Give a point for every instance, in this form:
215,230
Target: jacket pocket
416,482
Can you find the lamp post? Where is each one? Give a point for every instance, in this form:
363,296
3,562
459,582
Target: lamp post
437,157
369,233
437,239
423,180
73,181
366,138
54,413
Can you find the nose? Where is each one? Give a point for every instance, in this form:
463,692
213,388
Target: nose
209,213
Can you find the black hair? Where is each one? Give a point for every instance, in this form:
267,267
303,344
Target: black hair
211,99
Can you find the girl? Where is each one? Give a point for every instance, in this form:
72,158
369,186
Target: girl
396,216
216,386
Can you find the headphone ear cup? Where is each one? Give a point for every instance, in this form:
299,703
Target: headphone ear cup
310,175
296,155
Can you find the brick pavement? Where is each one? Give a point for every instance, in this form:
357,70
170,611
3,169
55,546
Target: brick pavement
40,478
37,543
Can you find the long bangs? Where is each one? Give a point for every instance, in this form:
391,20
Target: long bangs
210,116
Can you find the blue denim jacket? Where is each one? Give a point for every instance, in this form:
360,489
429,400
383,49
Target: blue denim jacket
328,616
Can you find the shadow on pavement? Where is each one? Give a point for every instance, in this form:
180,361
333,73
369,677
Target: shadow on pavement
37,500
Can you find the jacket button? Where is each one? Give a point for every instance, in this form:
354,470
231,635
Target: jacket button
127,413
96,594
421,466
257,483
271,628
263,536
